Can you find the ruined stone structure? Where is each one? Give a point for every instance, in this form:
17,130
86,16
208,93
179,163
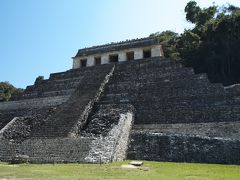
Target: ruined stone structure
117,52
135,105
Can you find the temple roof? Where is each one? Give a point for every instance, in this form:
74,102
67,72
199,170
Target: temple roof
135,43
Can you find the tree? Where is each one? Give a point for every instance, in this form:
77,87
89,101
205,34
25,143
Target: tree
168,39
212,45
187,45
198,16
7,90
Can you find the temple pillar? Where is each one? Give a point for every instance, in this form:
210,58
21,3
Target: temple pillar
90,61
122,56
76,63
138,54
156,51
105,59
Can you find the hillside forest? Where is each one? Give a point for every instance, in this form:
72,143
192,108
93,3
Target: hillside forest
212,46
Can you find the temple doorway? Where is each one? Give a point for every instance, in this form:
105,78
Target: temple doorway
113,58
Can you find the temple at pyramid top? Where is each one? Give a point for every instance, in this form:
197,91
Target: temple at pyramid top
118,52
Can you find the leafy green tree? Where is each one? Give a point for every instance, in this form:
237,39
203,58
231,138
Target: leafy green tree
168,39
7,90
187,45
212,45
198,16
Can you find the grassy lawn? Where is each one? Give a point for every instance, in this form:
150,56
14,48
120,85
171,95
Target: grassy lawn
150,170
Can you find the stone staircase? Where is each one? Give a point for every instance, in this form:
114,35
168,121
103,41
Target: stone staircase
72,115
58,84
110,127
42,96
45,96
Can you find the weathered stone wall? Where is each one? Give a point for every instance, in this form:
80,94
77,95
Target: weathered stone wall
229,130
15,129
217,142
91,147
110,125
126,121
180,148
47,150
233,89
33,103
7,150
21,128
8,115
56,150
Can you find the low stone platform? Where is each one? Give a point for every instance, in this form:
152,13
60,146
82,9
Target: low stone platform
156,146
195,142
224,130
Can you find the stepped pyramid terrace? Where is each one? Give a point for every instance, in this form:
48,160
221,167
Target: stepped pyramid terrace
121,101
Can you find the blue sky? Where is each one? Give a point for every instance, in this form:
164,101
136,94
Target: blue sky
39,37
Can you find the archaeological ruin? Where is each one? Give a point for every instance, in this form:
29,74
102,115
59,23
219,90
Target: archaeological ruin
122,101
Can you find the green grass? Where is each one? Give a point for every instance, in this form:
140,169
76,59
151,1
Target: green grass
150,170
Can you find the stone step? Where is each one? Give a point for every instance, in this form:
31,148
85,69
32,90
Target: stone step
172,101
34,114
159,90
162,88
167,76
60,82
69,74
77,72
187,114
142,69
54,84
69,114
45,94
136,74
52,150
7,115
147,63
